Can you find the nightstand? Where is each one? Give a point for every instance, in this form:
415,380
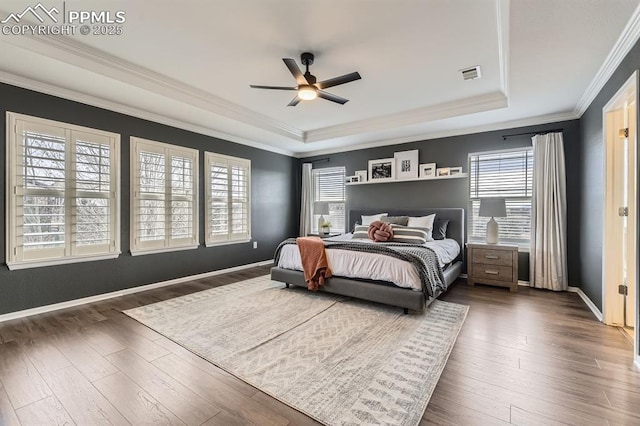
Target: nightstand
493,264
323,236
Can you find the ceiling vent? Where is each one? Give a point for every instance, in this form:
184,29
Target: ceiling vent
471,73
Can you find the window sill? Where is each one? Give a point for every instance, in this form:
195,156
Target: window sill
162,250
14,266
226,243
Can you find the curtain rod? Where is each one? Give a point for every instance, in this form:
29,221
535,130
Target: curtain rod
544,132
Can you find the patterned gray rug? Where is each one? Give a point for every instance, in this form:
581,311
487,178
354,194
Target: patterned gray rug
338,360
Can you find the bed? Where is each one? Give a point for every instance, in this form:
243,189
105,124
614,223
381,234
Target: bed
380,290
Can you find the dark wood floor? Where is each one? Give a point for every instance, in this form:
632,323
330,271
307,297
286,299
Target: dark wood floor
531,358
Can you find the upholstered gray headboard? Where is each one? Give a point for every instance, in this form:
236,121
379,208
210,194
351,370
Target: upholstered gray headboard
455,230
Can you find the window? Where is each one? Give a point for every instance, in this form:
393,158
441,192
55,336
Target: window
328,185
164,197
507,174
228,199
63,193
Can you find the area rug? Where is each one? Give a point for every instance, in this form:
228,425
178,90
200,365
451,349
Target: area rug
340,361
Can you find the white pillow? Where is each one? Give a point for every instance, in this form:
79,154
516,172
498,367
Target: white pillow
366,220
422,221
425,222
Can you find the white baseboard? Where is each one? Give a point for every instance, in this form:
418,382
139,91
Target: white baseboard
99,297
587,301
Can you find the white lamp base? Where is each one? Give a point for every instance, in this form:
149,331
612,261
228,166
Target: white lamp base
492,232
320,223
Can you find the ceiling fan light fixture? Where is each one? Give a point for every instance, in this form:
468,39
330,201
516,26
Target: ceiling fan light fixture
307,92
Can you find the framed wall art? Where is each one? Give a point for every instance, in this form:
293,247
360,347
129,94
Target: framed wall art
362,175
382,169
406,164
444,171
428,170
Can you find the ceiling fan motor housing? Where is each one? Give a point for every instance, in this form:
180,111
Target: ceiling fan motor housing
306,58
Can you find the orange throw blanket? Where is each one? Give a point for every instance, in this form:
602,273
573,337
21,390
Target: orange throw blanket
314,261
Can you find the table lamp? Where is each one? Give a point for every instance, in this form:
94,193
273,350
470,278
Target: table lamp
321,208
492,207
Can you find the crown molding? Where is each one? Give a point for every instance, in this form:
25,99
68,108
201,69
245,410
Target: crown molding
49,89
69,51
621,48
456,108
533,121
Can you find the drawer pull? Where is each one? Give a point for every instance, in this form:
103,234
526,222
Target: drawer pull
492,272
491,256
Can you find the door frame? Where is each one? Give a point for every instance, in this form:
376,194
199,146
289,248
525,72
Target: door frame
609,288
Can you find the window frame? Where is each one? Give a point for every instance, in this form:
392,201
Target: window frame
523,245
315,217
245,163
168,244
71,252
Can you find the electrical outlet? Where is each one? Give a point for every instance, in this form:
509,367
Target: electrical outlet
255,244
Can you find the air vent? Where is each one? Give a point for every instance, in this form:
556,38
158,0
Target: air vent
471,73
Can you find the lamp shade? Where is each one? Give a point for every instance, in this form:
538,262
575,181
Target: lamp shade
320,207
492,207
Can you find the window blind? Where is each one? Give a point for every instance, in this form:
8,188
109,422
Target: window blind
164,197
507,174
64,201
329,186
228,199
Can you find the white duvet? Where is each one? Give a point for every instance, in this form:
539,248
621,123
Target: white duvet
353,264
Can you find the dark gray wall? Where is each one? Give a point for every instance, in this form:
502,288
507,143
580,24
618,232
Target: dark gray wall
592,182
274,210
453,151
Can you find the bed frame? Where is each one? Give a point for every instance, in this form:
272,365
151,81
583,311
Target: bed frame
382,292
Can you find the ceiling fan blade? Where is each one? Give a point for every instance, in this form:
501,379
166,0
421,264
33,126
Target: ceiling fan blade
332,98
347,78
253,86
295,101
295,71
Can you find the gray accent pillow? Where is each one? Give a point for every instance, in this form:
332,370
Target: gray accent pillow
396,220
439,231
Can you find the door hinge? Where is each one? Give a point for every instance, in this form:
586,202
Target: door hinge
623,289
624,133
623,211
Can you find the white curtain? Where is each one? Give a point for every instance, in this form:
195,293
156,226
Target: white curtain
548,260
306,207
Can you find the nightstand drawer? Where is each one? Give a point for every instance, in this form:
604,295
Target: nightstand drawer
492,272
493,257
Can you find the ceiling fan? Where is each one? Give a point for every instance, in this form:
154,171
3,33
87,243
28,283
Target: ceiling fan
308,88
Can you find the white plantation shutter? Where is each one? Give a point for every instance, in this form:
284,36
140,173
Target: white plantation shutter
507,174
228,199
63,193
164,202
329,185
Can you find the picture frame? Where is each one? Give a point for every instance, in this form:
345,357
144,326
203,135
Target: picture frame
428,170
443,171
406,164
382,169
362,175
353,179
455,170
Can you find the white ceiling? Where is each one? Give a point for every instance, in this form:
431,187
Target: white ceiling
189,64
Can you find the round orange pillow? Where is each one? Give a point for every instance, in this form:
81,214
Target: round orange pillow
380,231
